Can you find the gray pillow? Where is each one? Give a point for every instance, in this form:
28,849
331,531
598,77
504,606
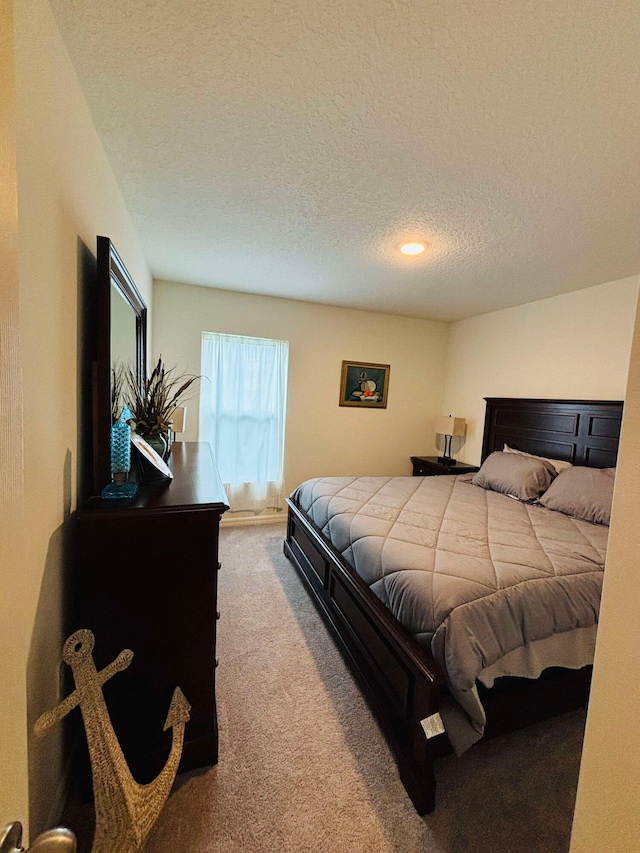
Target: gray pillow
521,477
581,492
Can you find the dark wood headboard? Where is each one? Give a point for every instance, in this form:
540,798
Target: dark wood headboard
583,432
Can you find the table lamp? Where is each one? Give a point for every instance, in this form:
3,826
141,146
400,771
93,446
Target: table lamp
449,426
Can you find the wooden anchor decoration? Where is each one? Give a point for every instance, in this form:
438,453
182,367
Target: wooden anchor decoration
125,810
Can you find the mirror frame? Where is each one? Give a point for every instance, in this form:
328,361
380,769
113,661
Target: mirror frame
111,272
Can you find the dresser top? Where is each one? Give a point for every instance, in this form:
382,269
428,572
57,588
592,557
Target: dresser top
196,485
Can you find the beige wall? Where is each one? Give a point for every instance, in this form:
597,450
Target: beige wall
13,638
607,815
67,195
575,346
322,438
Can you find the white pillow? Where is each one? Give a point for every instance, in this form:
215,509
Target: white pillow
558,464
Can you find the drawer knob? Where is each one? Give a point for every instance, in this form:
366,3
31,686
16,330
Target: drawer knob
217,614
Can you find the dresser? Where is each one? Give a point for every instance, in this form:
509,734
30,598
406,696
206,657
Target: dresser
429,466
146,580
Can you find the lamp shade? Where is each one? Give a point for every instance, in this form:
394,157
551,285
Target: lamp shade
448,425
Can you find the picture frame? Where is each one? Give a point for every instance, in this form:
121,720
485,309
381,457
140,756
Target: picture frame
364,384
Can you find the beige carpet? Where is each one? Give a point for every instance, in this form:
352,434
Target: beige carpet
303,765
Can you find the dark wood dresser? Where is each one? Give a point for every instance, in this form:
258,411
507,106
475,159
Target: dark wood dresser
146,580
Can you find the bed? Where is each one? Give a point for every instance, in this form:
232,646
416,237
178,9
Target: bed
404,671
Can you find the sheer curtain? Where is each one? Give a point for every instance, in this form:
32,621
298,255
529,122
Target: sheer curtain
242,414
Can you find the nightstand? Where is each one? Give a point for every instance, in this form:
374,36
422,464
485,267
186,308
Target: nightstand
428,466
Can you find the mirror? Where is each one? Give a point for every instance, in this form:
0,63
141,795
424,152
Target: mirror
123,329
122,339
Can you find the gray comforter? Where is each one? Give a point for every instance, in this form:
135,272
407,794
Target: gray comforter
472,574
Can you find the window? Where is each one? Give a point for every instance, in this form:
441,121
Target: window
242,415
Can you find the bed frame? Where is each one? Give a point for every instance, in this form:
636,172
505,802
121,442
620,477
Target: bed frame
400,680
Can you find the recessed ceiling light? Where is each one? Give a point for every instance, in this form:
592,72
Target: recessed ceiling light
412,248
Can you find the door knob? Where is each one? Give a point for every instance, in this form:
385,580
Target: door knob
58,840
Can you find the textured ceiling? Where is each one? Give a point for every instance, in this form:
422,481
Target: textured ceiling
289,147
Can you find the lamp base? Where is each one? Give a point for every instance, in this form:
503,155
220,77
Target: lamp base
446,460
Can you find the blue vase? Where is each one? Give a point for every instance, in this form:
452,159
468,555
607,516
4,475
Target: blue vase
120,447
119,488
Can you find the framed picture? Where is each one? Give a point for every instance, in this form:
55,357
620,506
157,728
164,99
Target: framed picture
364,385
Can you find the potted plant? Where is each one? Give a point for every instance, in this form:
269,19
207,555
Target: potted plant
153,403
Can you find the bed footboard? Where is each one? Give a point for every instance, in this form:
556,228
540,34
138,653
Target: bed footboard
400,681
